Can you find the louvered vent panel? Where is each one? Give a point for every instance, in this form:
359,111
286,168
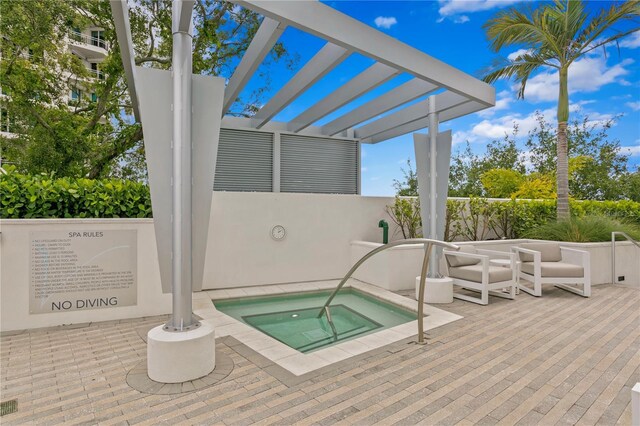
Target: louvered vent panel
318,165
245,161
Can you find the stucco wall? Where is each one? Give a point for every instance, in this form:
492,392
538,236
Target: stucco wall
14,273
318,246
241,250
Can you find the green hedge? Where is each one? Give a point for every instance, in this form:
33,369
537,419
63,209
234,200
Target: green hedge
42,196
480,218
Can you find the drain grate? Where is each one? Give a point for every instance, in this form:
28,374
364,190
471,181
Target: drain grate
8,407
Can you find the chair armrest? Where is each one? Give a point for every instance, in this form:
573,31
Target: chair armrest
583,254
537,256
484,260
524,250
495,253
469,255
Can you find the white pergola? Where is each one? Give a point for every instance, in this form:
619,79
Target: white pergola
458,94
182,114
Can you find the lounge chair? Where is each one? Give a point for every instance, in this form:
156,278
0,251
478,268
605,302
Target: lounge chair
472,270
547,263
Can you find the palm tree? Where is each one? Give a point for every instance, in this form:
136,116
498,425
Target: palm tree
554,36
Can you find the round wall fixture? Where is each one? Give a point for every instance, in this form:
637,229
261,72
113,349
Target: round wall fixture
278,232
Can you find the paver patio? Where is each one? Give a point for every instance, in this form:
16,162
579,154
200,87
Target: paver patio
559,359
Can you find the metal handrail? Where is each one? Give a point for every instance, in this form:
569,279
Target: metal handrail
613,251
428,244
78,37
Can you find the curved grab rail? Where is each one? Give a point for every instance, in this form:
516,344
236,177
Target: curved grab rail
428,243
613,251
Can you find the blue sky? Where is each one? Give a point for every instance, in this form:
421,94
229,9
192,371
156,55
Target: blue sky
601,86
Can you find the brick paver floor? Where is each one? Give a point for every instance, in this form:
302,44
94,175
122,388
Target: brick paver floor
559,359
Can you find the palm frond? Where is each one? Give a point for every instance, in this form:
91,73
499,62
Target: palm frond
604,21
520,69
513,27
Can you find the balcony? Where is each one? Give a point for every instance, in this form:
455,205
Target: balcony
87,46
97,74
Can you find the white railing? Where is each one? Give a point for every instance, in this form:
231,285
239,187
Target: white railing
77,37
613,251
97,73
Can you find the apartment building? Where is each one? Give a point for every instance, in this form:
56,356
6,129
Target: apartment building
91,48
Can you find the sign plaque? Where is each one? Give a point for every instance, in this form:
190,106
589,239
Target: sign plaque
82,269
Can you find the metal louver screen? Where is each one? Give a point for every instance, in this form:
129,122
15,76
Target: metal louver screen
245,161
318,165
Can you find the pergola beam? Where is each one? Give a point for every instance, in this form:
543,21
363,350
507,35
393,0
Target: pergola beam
402,94
186,12
367,80
262,43
443,102
120,13
458,111
327,23
322,63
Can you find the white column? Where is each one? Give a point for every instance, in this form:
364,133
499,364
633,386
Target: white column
434,269
182,318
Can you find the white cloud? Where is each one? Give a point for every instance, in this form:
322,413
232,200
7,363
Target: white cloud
632,41
496,128
461,19
513,56
585,75
385,22
449,8
503,100
632,151
634,105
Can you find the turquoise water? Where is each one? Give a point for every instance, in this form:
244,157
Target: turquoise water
293,319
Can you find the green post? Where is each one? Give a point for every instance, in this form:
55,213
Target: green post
385,230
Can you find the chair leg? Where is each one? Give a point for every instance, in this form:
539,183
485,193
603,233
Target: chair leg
485,296
469,298
587,286
537,287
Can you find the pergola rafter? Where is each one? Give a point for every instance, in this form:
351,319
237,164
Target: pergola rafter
402,94
324,61
367,80
263,41
459,93
444,101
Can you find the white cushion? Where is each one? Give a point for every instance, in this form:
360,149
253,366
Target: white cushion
456,261
474,273
554,269
549,252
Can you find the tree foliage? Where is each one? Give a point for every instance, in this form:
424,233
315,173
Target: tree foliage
554,36
95,136
467,168
597,166
501,183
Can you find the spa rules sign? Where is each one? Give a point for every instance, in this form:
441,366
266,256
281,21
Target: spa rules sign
82,269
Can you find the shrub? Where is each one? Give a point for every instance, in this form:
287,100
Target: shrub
405,212
501,183
43,196
583,229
